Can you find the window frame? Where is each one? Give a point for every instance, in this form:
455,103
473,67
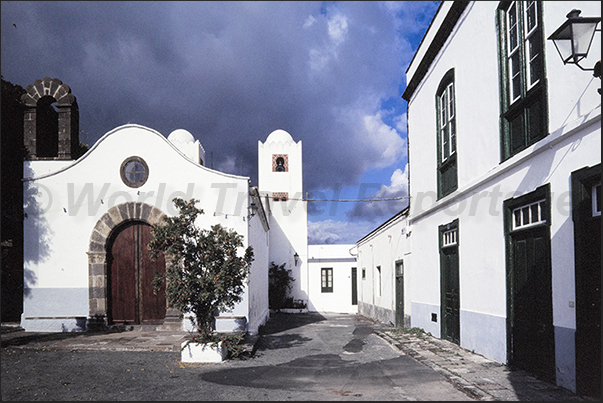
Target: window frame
123,174
596,199
446,127
379,279
326,273
523,116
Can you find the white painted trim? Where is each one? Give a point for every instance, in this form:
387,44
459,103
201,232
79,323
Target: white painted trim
130,125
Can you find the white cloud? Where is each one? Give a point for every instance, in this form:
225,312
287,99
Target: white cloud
401,123
309,22
337,232
394,200
383,140
338,28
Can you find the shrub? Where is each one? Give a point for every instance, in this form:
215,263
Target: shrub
205,271
279,286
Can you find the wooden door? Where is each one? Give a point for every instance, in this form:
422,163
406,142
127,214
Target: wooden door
586,204
449,261
131,273
532,333
400,294
354,286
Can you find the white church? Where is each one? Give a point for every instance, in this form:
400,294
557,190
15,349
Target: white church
88,222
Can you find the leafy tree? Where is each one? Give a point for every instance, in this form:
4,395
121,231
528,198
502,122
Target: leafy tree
204,269
279,286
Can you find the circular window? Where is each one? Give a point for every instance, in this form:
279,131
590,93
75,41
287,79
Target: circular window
134,172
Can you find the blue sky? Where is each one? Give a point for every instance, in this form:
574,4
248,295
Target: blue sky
329,73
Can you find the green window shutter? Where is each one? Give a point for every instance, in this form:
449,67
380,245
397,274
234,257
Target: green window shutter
446,136
523,101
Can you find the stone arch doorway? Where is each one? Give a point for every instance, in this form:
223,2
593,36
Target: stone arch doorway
109,228
130,274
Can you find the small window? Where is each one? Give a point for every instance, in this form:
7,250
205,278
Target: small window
326,279
596,198
363,273
134,172
449,238
529,215
379,279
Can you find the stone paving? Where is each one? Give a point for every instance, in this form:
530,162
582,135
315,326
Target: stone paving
479,377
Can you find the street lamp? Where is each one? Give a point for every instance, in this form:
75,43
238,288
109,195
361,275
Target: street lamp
574,37
296,258
253,208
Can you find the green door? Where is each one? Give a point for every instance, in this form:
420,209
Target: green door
354,286
530,331
586,205
400,294
450,285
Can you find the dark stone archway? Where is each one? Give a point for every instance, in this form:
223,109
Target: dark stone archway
97,257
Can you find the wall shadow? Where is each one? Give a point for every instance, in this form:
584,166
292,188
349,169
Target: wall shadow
37,201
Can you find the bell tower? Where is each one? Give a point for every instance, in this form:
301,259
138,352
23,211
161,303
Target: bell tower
50,133
280,180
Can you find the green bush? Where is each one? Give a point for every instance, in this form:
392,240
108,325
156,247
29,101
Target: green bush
279,286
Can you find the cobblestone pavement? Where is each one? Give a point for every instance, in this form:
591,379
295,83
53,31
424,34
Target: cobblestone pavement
480,377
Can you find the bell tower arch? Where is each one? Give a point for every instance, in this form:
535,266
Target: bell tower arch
50,120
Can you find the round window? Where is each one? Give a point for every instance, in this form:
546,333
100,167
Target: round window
134,172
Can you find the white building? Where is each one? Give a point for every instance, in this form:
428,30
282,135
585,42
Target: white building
383,255
505,168
332,274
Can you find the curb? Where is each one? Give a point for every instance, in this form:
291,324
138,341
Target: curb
458,382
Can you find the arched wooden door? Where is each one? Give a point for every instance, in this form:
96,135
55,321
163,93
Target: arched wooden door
132,299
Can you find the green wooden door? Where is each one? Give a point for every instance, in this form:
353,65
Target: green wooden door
354,286
400,294
449,282
586,205
532,332
449,261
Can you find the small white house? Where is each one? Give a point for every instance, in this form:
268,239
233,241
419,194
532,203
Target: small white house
332,271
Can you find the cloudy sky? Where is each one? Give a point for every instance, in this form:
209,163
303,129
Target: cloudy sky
329,73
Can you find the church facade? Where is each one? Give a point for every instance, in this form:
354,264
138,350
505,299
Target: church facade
88,219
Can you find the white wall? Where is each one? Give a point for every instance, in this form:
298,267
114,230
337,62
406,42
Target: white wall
259,239
382,248
63,208
484,182
338,258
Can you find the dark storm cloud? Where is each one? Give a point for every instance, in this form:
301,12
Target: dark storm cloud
230,73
